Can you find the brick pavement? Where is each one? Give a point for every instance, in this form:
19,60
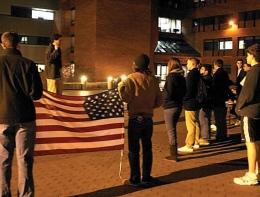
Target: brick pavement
207,172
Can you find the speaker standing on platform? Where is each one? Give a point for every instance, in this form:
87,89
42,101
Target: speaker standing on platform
54,65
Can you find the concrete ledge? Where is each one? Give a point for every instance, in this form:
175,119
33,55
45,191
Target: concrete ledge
87,86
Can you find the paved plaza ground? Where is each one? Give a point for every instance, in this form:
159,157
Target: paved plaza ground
208,171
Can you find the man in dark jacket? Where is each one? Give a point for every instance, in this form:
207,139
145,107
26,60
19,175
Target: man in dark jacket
53,65
221,93
248,106
206,105
20,84
192,107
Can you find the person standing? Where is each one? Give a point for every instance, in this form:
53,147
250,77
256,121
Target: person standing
192,107
248,106
206,105
54,65
142,94
221,93
173,93
20,84
240,75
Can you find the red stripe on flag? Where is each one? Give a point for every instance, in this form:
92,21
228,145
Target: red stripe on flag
65,119
78,139
63,103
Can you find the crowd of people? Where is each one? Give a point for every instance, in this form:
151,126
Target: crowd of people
204,91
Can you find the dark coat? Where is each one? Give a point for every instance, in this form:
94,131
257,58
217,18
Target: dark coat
239,78
208,82
248,103
220,88
20,84
53,64
174,89
190,102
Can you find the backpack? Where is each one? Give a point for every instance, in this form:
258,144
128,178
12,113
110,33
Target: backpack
202,94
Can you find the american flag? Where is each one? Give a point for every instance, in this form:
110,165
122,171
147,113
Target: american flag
73,124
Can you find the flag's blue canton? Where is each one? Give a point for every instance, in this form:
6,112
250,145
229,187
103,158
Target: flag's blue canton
104,105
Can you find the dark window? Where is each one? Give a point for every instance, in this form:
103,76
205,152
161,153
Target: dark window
211,23
35,40
248,19
208,45
21,11
218,47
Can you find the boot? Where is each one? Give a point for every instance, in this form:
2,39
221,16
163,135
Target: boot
173,153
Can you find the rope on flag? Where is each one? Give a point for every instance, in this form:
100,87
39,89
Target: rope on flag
74,124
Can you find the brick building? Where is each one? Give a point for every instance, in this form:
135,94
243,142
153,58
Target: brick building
101,37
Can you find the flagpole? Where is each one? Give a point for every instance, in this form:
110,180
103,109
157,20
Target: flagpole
122,151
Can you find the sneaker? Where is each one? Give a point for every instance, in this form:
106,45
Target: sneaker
185,149
196,146
248,179
203,142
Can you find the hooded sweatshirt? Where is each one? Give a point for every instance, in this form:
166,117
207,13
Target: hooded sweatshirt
142,94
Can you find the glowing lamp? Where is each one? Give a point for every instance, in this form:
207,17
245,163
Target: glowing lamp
123,77
83,78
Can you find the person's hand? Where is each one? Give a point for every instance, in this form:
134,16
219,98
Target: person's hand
234,91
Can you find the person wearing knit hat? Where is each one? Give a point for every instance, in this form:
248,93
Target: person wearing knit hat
142,94
248,106
141,62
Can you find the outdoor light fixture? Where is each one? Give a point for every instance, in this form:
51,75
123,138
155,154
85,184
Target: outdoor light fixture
123,77
109,82
83,79
231,23
109,78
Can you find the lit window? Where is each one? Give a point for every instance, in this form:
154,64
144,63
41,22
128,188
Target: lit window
158,71
161,71
169,25
228,45
241,44
24,39
225,45
42,14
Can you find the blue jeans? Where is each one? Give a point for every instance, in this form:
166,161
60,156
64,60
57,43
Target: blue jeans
171,117
22,137
140,128
205,117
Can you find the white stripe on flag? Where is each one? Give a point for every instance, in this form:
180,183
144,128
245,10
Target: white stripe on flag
78,145
56,134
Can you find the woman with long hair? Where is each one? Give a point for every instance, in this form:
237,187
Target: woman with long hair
174,90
